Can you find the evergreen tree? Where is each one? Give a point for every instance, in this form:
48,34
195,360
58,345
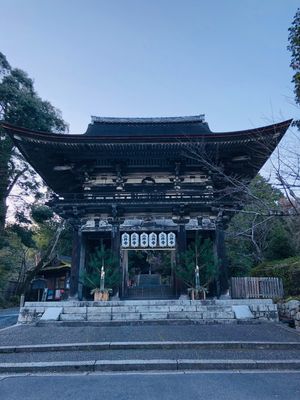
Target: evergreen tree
101,257
198,253
294,48
257,233
20,105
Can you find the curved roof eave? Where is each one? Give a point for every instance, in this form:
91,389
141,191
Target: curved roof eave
23,133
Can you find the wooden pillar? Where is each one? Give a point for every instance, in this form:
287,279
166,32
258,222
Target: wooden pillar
81,265
173,275
124,273
181,239
115,240
76,246
221,259
115,248
180,249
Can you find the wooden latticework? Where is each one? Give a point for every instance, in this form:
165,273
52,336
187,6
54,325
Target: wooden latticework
256,288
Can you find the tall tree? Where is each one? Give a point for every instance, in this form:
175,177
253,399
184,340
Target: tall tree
20,105
286,164
262,230
294,48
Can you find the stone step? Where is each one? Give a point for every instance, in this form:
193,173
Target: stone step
149,291
146,279
261,303
133,316
144,309
150,365
201,315
263,347
150,310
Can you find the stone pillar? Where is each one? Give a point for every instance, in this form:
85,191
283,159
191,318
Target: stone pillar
221,259
76,247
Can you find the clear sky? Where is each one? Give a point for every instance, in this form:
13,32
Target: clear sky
225,58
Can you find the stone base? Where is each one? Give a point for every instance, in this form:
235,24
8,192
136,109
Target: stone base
152,310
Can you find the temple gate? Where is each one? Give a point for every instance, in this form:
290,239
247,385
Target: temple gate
146,185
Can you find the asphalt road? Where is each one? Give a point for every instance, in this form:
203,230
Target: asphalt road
148,386
8,317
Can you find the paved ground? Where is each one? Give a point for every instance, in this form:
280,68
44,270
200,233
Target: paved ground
149,386
8,317
58,334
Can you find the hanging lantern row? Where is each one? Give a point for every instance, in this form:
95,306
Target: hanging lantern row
148,240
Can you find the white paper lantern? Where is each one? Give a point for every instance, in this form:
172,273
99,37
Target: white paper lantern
153,239
144,239
125,240
171,239
162,239
134,240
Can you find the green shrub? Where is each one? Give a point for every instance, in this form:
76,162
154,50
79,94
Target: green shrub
91,277
200,252
288,269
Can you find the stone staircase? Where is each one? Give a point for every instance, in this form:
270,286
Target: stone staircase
148,279
200,311
147,310
149,287
149,292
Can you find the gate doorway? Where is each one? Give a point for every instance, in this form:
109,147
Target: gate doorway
148,274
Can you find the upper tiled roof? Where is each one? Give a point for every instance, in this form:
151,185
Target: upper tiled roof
165,126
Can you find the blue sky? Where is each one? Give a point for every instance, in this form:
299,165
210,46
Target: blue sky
225,58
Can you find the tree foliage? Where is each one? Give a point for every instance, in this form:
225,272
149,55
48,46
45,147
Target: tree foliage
20,105
14,260
255,235
294,48
30,244
198,253
20,240
287,269
101,256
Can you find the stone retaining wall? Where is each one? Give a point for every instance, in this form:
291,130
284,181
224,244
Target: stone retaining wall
291,311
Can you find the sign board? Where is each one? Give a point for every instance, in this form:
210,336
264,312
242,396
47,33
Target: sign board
39,283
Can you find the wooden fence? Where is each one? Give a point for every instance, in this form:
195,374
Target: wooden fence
256,288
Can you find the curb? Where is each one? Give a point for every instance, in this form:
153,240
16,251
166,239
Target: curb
148,365
167,345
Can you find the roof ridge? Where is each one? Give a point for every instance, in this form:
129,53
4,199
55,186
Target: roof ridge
151,120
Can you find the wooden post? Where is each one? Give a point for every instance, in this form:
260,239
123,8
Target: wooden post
173,276
75,262
115,248
22,300
81,266
181,238
180,249
115,239
221,259
124,273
